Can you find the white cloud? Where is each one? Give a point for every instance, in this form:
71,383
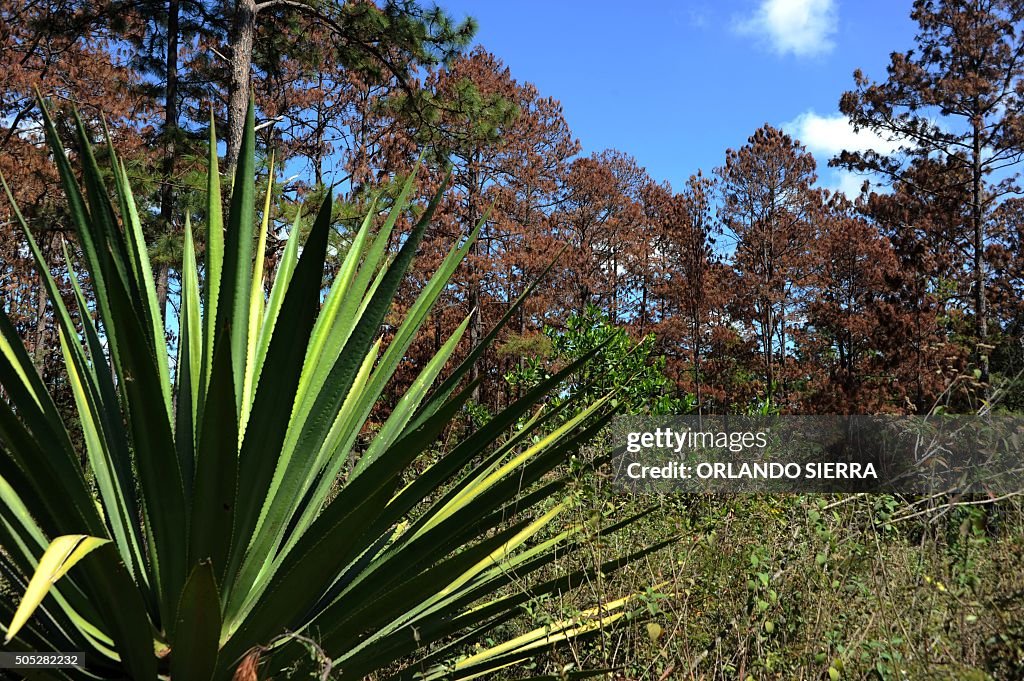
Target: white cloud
826,136
801,27
848,183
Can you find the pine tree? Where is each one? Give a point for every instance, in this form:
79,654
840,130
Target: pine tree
958,98
769,206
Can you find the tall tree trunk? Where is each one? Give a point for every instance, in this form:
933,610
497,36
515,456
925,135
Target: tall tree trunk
615,289
695,342
162,278
39,352
318,144
243,32
767,340
476,321
782,349
527,225
170,143
644,281
980,303
919,297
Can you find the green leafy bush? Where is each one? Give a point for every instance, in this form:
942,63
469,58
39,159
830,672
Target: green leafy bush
630,369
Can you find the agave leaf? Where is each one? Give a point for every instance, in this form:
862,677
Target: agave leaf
21,371
24,540
464,525
118,514
403,338
454,574
216,478
189,374
289,259
335,537
360,658
391,429
143,272
421,552
440,472
214,256
106,444
62,554
113,251
485,480
284,488
236,277
27,392
440,626
80,217
333,324
123,612
37,456
442,392
514,651
278,382
353,306
197,629
343,309
578,674
523,646
338,511
256,305
335,450
398,562
143,388
325,344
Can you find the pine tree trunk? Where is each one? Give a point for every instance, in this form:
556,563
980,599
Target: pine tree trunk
242,34
476,321
782,349
980,303
318,148
162,276
170,142
39,352
643,297
767,335
695,343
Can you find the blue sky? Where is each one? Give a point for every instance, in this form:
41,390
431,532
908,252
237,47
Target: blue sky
677,83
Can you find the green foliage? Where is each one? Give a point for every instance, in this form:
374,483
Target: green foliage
531,345
630,369
232,503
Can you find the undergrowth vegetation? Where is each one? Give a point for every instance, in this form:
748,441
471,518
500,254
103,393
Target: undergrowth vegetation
811,587
788,586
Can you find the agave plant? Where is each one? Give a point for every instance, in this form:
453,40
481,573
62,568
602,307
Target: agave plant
217,511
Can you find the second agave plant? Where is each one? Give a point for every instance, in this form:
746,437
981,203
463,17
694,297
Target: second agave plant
221,505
